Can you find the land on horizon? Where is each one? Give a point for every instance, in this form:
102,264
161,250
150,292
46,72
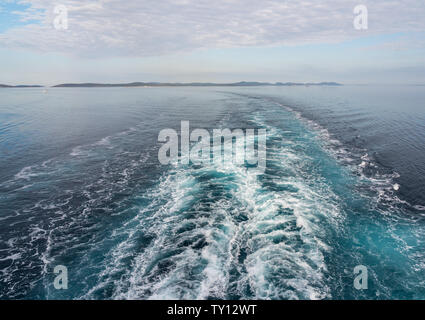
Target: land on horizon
179,84
20,86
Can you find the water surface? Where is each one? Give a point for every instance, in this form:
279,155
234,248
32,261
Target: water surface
81,186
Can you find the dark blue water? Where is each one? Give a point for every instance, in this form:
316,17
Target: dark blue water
81,186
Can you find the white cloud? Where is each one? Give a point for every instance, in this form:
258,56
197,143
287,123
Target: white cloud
152,27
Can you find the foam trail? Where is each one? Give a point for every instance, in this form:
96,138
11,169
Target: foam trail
222,231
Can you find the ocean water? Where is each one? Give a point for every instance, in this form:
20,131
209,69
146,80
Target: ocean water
81,186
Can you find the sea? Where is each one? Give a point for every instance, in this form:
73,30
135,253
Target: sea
81,187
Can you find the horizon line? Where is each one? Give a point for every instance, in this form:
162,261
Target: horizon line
196,83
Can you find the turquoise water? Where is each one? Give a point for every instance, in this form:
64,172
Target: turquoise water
81,186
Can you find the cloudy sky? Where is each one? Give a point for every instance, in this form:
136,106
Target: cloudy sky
211,40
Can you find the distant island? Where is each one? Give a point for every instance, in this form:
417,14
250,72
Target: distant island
194,84
177,84
20,86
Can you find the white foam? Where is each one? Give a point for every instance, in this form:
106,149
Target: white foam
77,151
26,173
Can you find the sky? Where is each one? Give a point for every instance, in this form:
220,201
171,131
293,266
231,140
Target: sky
112,41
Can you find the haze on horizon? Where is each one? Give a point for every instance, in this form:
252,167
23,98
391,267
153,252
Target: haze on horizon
112,41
